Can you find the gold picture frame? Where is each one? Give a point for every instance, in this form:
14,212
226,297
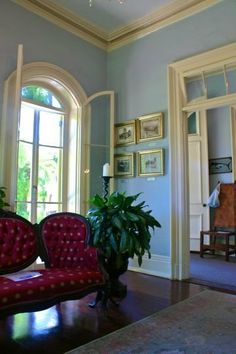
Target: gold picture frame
125,133
150,163
124,165
150,127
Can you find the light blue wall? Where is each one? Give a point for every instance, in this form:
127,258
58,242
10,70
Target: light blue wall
138,74
44,41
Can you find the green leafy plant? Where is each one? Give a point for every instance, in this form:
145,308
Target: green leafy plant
119,228
3,203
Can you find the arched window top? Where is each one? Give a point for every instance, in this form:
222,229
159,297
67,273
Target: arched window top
39,94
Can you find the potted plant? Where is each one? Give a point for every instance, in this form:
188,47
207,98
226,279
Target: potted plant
120,230
3,203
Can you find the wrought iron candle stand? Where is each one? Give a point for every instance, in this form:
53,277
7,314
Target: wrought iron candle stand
106,181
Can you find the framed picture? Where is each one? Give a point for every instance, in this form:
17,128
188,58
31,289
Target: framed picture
150,163
220,165
124,165
150,127
125,133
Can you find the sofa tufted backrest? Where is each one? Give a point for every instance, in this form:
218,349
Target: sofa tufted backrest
65,237
18,243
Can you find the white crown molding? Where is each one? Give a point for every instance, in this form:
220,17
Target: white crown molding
165,16
67,20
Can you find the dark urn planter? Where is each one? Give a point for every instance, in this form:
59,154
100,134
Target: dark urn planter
117,288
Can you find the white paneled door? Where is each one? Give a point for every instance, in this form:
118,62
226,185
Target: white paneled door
198,177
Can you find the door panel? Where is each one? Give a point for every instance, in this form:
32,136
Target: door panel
198,179
98,148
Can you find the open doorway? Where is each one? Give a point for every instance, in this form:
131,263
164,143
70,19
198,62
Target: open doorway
200,66
210,144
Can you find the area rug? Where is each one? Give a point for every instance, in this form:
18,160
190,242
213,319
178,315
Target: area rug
204,323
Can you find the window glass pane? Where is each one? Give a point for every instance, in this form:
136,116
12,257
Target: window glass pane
24,210
97,156
40,95
44,209
51,129
215,83
24,173
100,117
231,77
194,88
192,123
26,123
49,174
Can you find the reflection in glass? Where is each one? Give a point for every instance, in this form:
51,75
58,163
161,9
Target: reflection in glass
98,156
192,123
49,175
44,209
50,129
231,79
26,123
215,84
195,88
24,209
24,178
100,121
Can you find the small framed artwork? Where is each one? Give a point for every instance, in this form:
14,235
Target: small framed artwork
125,133
220,165
150,127
150,163
124,165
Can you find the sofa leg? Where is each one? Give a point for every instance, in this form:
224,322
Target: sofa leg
99,297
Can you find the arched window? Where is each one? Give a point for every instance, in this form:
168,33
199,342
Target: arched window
41,145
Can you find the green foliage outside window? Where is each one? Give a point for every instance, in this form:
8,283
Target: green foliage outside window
23,182
40,94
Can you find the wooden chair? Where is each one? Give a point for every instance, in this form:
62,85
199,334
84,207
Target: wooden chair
222,237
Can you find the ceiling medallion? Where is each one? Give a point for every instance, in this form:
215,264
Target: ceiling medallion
121,2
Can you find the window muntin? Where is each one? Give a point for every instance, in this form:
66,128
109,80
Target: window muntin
211,84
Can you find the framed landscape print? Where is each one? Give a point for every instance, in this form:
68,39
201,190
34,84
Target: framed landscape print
150,127
124,165
220,165
125,133
150,163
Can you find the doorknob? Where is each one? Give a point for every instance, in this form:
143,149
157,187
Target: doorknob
204,205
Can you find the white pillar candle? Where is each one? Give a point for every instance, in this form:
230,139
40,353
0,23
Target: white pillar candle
106,170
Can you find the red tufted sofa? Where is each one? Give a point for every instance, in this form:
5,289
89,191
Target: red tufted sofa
71,269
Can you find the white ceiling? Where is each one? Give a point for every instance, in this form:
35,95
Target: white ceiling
109,15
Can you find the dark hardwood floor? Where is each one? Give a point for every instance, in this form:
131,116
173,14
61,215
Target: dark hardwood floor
73,323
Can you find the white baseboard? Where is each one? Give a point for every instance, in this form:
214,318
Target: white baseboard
156,265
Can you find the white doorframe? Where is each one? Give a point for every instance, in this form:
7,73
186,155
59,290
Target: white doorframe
233,141
178,108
